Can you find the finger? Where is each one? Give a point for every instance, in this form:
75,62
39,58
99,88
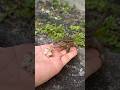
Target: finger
93,62
63,52
67,57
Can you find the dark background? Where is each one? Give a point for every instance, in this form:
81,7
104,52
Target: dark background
108,77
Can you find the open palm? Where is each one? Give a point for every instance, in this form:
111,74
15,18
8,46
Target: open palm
47,67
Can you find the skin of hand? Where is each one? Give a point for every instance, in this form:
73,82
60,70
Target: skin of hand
47,67
93,61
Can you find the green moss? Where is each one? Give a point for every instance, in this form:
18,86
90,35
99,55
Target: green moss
108,29
108,34
63,7
22,9
79,39
61,31
75,27
99,5
56,32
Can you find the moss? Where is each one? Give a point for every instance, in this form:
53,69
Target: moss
22,9
108,30
56,32
63,7
58,29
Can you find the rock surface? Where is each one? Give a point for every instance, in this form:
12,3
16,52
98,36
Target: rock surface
72,75
80,4
108,77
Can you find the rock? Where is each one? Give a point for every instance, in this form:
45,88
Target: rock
79,4
72,75
108,77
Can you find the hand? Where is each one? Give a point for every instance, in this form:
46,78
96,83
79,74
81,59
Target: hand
93,61
47,67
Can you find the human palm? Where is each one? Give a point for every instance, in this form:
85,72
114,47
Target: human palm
48,66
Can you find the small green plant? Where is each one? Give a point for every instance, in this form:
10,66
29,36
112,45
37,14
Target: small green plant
59,31
98,5
56,32
22,8
75,27
63,7
79,39
108,29
107,33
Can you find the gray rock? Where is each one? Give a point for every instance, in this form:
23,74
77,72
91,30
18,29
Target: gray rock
108,77
80,4
72,75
